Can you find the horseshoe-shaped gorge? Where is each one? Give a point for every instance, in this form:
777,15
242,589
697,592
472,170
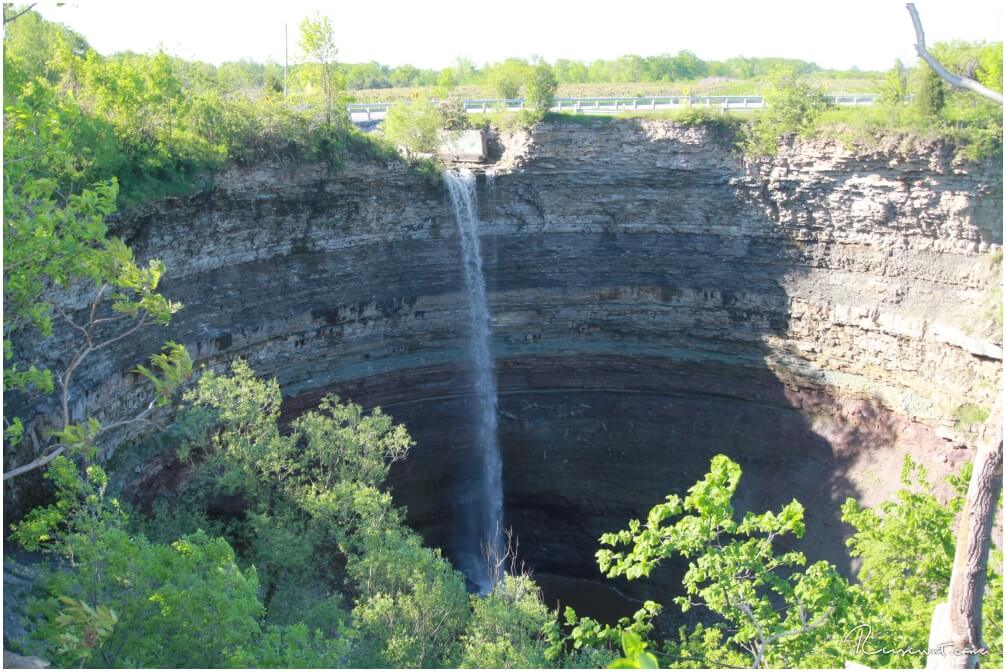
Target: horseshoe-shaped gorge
655,300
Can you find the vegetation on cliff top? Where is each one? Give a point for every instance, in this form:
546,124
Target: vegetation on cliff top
158,123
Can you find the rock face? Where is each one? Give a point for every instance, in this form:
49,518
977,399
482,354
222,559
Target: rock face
655,301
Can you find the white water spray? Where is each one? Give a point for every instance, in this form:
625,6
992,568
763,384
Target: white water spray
484,536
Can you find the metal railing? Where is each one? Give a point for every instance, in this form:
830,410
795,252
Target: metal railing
375,111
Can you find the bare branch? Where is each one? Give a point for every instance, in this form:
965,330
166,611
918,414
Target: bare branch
94,306
806,627
9,162
69,320
954,80
129,332
139,417
11,19
34,464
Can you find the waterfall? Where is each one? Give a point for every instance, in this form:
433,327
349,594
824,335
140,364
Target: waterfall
491,189
482,529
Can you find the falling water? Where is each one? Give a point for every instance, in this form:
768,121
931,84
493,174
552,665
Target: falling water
482,531
491,189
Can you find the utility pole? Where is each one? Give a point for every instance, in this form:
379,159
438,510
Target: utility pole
286,56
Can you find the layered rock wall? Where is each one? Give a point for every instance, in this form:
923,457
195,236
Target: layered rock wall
655,301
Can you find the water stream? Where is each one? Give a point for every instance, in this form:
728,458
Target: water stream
481,531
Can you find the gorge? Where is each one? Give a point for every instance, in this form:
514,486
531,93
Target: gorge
654,298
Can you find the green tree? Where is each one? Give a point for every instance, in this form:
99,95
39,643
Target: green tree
56,238
585,642
894,88
297,488
312,492
293,646
181,605
794,105
506,627
317,41
465,71
541,88
930,91
990,66
507,78
771,609
412,605
415,126
567,71
446,81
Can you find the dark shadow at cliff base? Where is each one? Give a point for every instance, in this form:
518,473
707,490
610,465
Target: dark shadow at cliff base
593,441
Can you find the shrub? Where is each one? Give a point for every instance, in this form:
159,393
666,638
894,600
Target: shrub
970,415
505,630
929,90
794,104
541,87
186,604
506,78
453,116
894,88
414,126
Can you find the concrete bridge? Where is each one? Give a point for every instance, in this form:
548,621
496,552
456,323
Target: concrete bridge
363,112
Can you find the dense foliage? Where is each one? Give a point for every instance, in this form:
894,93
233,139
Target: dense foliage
918,107
55,243
415,126
318,568
794,104
158,123
768,604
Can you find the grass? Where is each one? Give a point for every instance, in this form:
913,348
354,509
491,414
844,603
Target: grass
974,127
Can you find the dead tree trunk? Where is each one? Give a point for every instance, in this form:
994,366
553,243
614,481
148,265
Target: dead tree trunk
943,73
955,636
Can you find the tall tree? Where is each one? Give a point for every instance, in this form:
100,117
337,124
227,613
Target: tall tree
317,41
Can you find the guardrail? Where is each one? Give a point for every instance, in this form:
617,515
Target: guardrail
375,111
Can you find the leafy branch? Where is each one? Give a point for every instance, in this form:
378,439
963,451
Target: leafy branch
734,570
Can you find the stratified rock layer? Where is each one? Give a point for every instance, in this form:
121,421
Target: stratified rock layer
655,301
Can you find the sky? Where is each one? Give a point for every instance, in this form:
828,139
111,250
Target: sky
869,34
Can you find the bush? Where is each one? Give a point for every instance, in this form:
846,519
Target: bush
541,87
186,604
970,415
794,105
415,127
894,88
505,630
453,116
930,91
506,78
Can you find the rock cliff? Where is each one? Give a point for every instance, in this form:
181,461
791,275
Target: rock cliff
655,300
